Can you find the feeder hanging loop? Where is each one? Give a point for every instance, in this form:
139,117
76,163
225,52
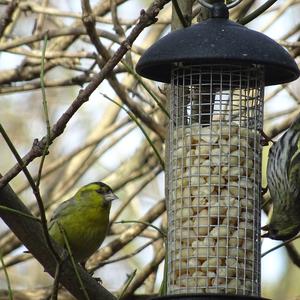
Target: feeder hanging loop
210,6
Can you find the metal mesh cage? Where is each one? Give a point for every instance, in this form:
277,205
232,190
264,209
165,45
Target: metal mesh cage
214,176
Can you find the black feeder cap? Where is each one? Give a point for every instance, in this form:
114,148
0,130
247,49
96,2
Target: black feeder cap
217,41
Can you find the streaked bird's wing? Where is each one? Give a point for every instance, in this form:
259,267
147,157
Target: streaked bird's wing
62,210
294,171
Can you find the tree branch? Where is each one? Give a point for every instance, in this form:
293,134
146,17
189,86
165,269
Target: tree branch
30,232
7,17
89,23
146,18
127,236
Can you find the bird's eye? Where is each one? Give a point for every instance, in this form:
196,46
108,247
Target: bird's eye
103,190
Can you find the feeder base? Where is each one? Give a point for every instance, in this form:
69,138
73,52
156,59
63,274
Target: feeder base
208,297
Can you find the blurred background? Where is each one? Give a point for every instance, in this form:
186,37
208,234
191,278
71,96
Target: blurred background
101,142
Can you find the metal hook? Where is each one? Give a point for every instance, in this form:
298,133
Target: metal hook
210,6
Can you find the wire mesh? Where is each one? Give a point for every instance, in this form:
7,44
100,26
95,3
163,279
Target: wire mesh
214,176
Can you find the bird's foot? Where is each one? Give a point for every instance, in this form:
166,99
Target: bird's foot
265,139
265,228
99,280
91,272
264,190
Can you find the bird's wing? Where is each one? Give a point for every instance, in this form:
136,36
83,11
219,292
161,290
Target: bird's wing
294,171
62,210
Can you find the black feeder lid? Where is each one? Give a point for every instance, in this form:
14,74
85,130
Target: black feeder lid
217,41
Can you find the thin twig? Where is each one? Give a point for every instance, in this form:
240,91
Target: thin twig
291,32
45,107
16,259
55,286
129,280
182,19
34,7
139,79
146,19
118,28
29,71
40,18
60,162
19,213
163,234
135,252
34,189
277,114
6,18
90,160
280,245
257,12
138,188
116,21
78,80
77,31
89,23
10,292
283,7
128,235
142,276
67,244
132,116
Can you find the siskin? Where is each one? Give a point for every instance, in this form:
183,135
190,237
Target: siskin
84,218
283,176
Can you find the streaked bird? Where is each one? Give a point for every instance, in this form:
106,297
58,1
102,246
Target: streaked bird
283,176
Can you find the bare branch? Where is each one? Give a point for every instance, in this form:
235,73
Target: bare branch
146,18
127,236
7,17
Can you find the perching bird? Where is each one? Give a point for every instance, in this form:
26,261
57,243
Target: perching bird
84,219
283,176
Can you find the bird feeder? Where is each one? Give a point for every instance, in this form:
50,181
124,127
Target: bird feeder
217,70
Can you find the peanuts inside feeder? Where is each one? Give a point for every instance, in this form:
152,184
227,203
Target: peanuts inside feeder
214,180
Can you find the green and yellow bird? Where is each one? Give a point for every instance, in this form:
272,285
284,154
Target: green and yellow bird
84,219
283,176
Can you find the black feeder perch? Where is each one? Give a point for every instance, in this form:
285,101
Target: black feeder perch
217,70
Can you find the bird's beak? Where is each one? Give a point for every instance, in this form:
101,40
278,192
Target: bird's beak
265,228
110,197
